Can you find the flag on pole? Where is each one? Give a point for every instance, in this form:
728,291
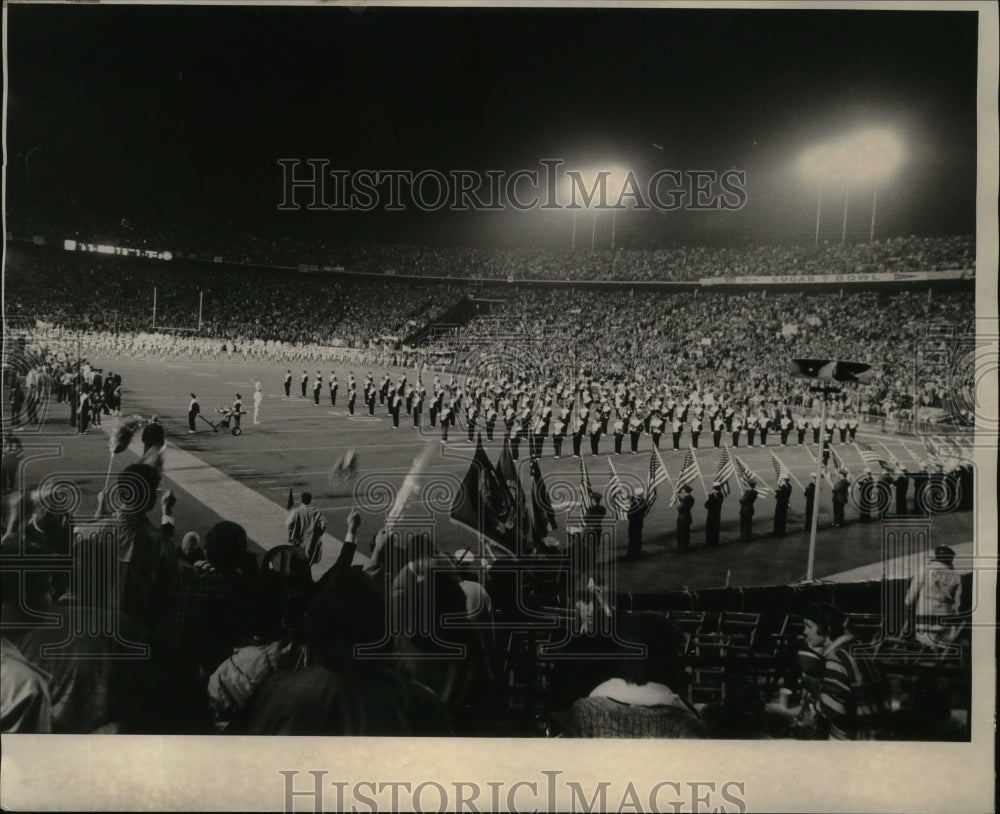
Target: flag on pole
543,514
507,470
688,474
892,458
780,470
744,474
657,471
291,500
617,495
837,460
484,504
871,456
725,472
932,451
585,487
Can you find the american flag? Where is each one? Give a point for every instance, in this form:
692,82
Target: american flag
871,456
836,459
892,458
744,474
726,471
585,487
657,471
780,470
689,472
950,453
617,495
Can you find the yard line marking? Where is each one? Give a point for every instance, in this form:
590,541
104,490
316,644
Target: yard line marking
263,518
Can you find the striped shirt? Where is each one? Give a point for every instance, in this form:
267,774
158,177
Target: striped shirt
854,695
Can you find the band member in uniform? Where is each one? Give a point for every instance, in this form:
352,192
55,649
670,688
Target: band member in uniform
747,511
634,431
737,426
304,382
371,401
444,417
491,422
595,435
717,429
782,496
695,431
514,437
752,421
193,411
800,429
713,516
396,402
677,427
581,428
317,388
558,433
840,491
785,425
619,429
831,426
470,421
288,383
842,427
352,397
826,453
334,386
418,406
810,491
656,429
684,506
763,424
852,426
817,425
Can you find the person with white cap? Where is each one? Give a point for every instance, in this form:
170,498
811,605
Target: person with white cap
258,397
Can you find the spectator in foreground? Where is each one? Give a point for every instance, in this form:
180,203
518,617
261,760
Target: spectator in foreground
341,692
936,593
25,703
638,701
853,694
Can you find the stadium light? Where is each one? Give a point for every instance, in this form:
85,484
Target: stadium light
611,179
871,155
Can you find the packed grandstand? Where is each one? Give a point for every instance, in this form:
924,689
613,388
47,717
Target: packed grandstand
240,645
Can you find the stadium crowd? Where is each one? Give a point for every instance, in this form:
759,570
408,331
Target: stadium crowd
115,294
679,264
201,635
232,642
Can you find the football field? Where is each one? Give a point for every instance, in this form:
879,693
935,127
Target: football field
217,475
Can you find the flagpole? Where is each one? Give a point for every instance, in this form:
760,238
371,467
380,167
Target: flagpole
791,474
814,524
700,476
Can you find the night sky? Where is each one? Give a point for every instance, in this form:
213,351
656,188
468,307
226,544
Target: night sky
180,114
